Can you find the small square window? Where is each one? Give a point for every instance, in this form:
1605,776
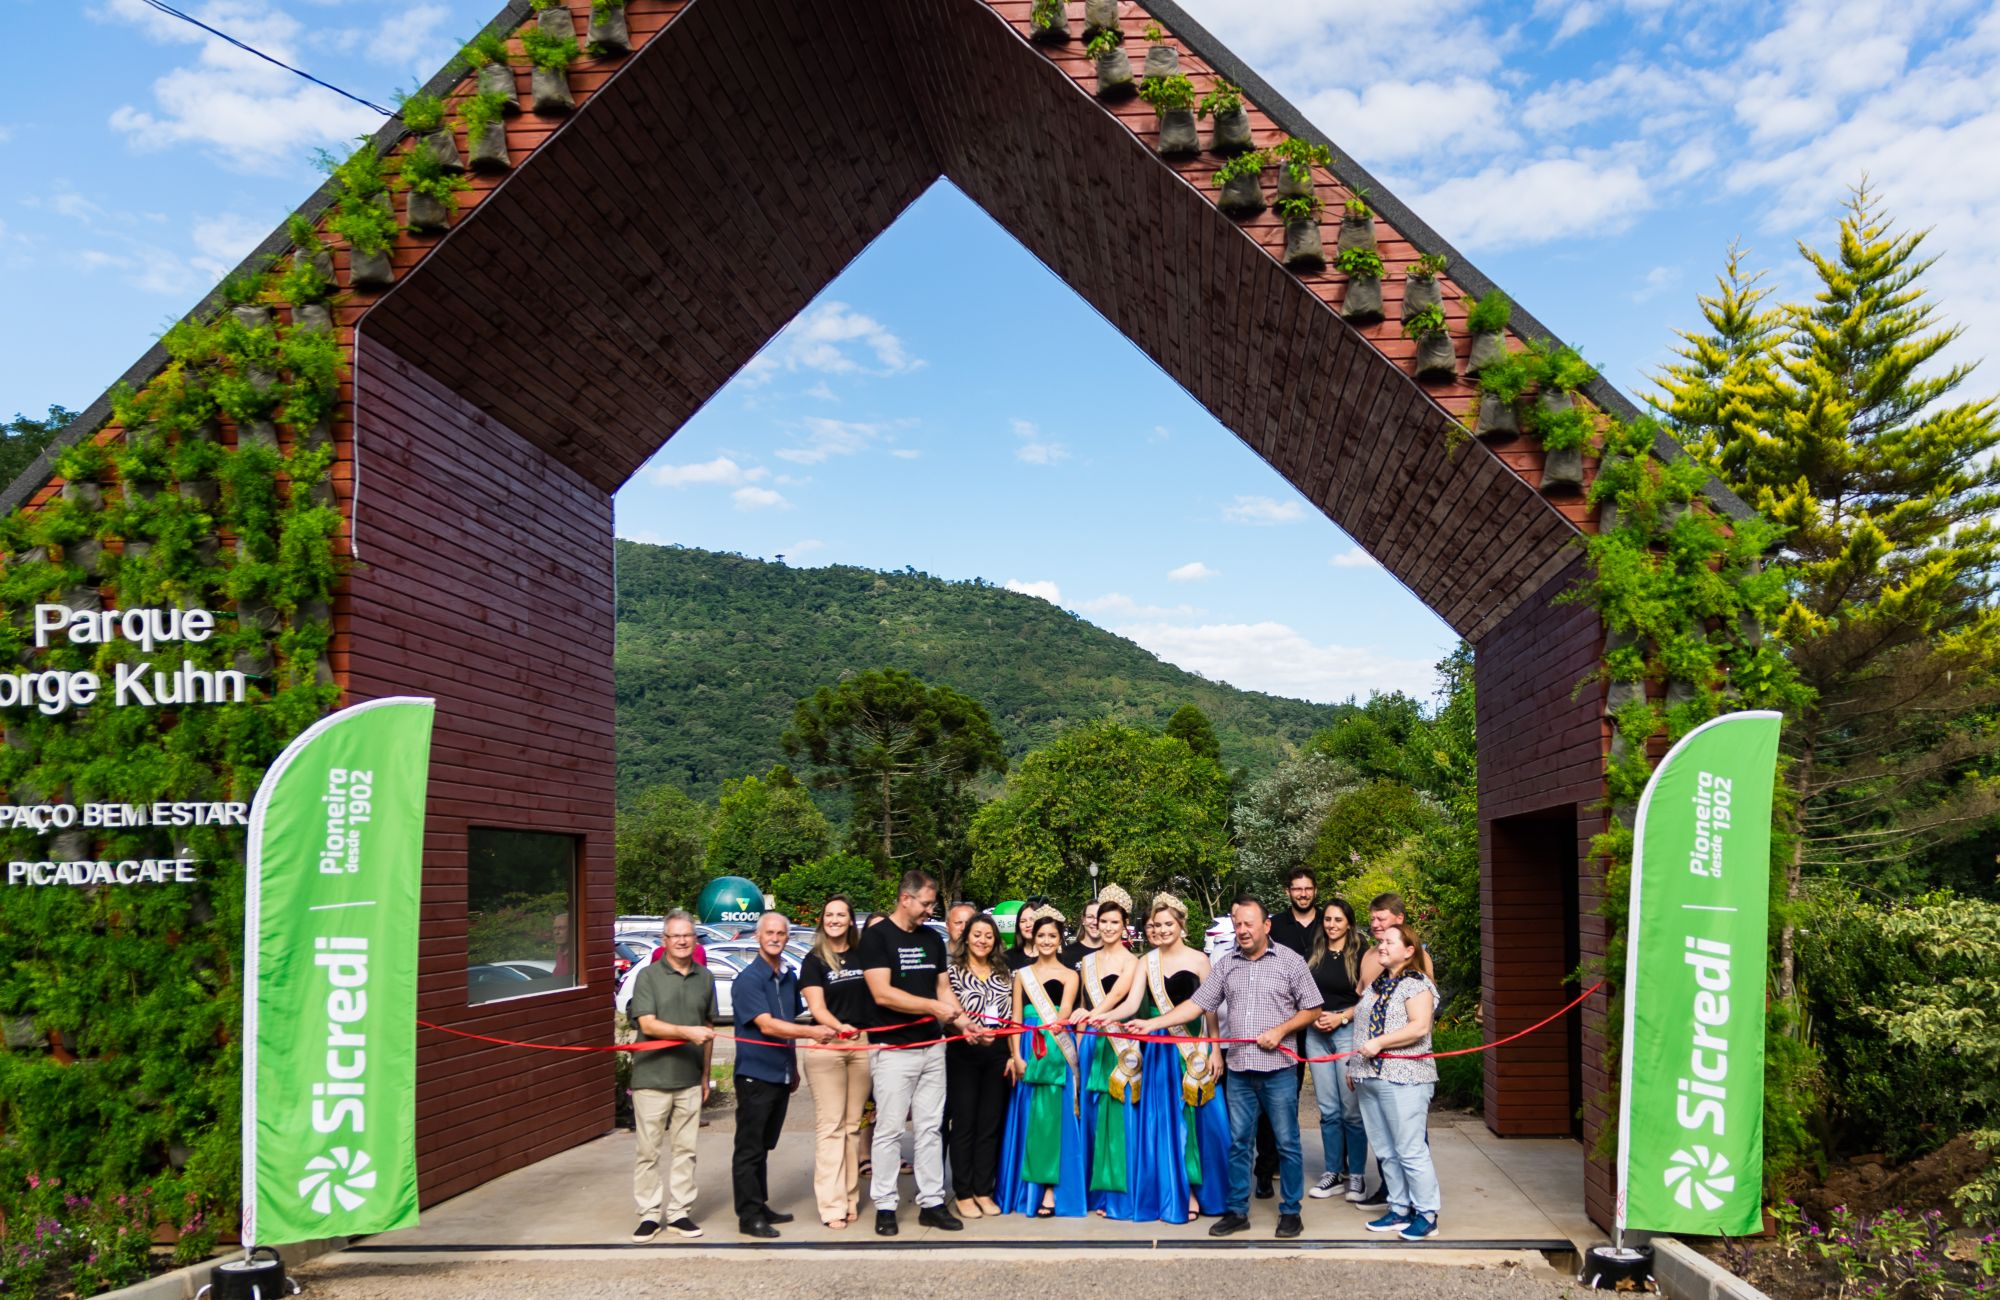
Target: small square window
520,913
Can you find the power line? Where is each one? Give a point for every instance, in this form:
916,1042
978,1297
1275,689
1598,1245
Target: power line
172,12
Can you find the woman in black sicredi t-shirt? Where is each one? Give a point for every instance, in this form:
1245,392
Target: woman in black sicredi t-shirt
835,988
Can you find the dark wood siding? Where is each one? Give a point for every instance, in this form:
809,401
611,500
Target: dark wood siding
485,581
1541,763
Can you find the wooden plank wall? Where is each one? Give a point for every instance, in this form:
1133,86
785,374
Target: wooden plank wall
485,581
1541,752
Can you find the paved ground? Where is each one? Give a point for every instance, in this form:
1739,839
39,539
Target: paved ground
958,1275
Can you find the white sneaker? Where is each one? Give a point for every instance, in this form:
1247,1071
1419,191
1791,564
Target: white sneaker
1328,1185
1357,1187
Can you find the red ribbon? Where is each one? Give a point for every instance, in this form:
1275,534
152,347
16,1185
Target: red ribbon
1005,1028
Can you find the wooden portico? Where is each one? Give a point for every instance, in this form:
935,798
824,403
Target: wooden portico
641,249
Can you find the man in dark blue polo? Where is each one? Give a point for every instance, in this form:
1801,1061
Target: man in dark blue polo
766,1006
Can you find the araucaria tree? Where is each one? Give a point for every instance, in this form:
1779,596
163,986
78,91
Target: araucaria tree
1838,419
905,753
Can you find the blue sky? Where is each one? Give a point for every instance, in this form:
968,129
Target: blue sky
1595,157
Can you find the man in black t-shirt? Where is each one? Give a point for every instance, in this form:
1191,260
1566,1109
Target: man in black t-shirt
905,964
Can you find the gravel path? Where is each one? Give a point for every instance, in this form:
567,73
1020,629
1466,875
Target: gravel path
934,1276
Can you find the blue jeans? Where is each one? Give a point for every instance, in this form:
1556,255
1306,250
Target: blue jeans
1343,1139
1275,1094
1395,1114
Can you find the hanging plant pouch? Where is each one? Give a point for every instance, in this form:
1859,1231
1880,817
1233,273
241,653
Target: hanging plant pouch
1421,293
1357,232
443,146
489,149
1363,302
609,33
1232,131
1498,419
1178,136
1304,249
498,79
427,214
1562,471
1099,16
1292,186
1162,60
1242,196
1437,359
549,87
1488,348
1114,75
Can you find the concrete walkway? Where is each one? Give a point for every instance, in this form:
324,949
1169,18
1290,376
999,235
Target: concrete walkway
1509,1195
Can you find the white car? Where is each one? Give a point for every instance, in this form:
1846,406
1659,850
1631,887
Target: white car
1221,937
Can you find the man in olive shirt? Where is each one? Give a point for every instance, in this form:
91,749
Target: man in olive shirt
672,999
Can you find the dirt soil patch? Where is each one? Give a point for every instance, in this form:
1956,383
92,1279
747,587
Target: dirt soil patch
1870,1184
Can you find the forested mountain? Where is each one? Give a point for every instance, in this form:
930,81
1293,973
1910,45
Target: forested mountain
714,650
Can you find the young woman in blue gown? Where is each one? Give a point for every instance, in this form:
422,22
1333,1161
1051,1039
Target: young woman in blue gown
1181,1146
1044,1153
1110,1067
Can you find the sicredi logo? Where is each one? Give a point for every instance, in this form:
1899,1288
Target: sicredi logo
337,1176
1702,1097
340,1099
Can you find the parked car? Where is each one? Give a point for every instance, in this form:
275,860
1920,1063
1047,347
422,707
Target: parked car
724,966
630,949
490,980
1221,937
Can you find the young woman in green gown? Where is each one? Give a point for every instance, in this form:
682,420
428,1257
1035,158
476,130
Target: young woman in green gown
1044,1153
1110,1066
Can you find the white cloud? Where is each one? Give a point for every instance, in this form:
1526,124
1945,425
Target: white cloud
6,133
222,241
722,470
1354,558
821,392
251,114
1192,571
757,498
826,438
1034,448
1658,281
803,547
1392,120
1046,590
829,338
1263,510
1506,205
906,453
410,38
1120,605
1273,657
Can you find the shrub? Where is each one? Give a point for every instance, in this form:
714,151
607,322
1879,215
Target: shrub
1357,204
1104,42
1429,267
554,53
803,890
1299,157
1305,207
1166,94
1490,314
421,113
1426,322
1046,13
1225,98
1362,262
1243,164
1461,1079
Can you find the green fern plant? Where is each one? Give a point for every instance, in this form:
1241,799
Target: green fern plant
1490,314
423,174
486,48
553,53
421,113
477,112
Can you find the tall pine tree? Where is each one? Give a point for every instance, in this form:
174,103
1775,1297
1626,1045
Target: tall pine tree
1839,419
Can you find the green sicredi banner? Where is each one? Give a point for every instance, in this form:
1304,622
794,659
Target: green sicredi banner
1691,1110
330,978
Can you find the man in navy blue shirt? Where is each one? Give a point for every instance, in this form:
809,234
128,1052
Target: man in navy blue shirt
766,1006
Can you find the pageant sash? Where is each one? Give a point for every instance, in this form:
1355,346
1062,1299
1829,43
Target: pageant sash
1197,1066
1123,1085
1052,1030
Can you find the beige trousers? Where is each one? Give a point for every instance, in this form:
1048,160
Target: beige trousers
839,1082
676,1116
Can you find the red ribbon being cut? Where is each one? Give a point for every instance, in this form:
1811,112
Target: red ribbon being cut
1006,1028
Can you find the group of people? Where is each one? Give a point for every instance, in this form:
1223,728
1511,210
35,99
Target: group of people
1061,1079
